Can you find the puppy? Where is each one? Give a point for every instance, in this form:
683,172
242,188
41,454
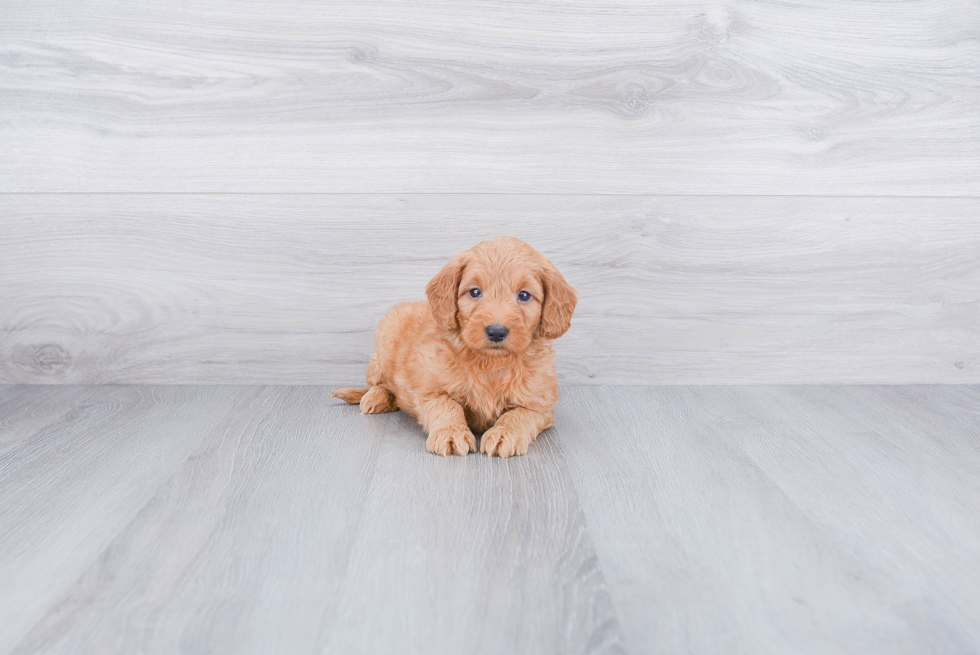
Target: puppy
477,356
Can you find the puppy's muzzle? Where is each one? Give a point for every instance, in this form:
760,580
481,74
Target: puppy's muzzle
497,332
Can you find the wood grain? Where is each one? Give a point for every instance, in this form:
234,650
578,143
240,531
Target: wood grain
242,549
782,519
300,526
702,519
73,486
27,409
898,499
479,556
289,288
616,96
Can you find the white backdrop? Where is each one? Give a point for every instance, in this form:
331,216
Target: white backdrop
741,191
289,288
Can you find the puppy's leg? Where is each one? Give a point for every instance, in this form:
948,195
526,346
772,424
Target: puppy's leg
377,400
514,431
444,420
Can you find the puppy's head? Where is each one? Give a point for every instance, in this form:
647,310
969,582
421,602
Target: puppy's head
500,296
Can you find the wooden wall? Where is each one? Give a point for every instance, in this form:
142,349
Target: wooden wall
741,191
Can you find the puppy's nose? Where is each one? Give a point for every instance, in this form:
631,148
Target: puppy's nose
497,332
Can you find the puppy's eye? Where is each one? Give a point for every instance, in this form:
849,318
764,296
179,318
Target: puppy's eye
475,292
523,296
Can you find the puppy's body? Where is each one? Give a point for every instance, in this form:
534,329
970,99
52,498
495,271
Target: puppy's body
435,362
441,361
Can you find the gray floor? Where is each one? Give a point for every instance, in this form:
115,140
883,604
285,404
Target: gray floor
651,519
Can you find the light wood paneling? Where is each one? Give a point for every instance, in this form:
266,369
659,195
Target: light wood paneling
614,96
288,289
474,556
776,520
25,410
70,488
704,519
300,526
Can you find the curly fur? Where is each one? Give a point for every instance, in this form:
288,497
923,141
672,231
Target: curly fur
434,361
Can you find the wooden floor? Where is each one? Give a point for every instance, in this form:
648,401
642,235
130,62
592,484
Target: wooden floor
650,520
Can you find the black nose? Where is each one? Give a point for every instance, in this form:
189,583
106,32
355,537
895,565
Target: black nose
497,333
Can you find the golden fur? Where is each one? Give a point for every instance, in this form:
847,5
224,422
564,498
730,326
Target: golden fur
434,360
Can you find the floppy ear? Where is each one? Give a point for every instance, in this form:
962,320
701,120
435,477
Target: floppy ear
442,292
559,303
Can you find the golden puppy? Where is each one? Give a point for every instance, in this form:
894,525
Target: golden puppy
477,356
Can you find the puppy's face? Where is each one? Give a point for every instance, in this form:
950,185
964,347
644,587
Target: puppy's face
498,306
500,296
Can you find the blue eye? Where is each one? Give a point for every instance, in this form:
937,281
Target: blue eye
475,293
523,296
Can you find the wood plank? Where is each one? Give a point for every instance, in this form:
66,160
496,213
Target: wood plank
678,519
302,526
244,547
810,519
473,556
892,473
27,409
70,489
288,289
617,96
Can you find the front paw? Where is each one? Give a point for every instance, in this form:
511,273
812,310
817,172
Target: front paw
504,442
451,441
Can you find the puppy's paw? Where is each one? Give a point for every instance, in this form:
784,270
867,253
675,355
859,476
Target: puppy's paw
504,442
451,441
377,400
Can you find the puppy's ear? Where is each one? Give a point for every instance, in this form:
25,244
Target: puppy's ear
559,303
443,290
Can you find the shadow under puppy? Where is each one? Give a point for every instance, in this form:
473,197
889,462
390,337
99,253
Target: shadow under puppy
477,356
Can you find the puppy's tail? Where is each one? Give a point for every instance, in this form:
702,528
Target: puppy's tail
353,396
